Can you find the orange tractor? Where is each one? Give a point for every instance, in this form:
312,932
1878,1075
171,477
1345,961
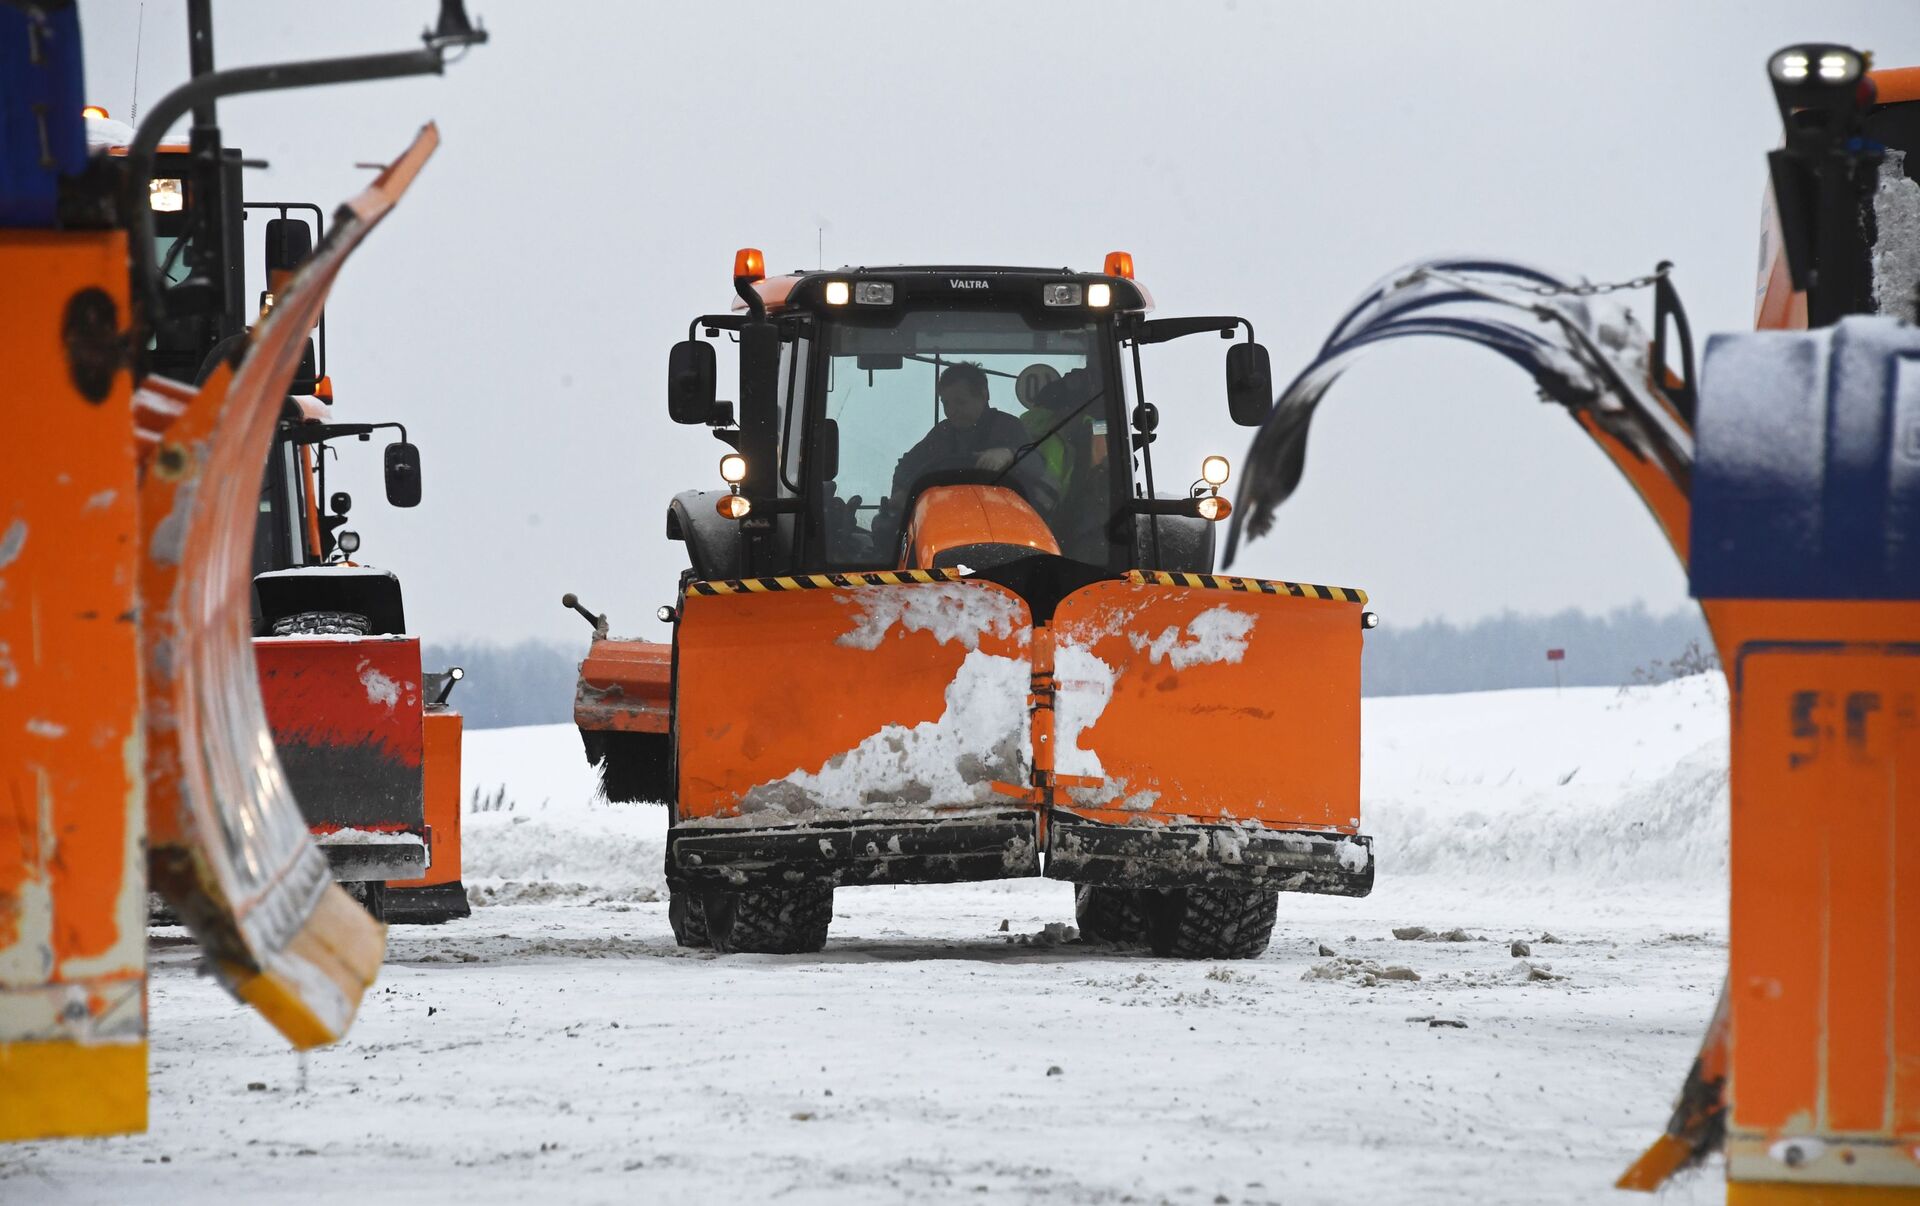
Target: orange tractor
938,624
359,729
1785,474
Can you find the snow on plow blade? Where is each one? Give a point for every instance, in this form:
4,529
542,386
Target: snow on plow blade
879,719
229,848
1207,729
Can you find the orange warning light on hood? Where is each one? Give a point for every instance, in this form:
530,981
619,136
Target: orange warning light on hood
1120,264
749,265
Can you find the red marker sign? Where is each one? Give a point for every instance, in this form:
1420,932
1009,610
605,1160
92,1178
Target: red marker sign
1556,655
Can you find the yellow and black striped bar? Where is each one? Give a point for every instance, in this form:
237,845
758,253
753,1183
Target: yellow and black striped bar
1261,586
756,586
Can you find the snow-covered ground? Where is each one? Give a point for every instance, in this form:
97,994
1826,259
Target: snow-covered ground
558,1047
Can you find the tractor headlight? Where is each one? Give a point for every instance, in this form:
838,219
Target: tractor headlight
1064,294
733,506
873,293
1807,64
837,293
1099,295
1214,470
1838,66
1214,507
733,468
349,542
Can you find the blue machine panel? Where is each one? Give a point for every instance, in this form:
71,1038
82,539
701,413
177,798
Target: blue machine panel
43,135
1807,464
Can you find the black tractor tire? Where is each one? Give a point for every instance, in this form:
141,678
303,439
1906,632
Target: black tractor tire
768,921
634,767
688,917
1210,923
1109,914
322,623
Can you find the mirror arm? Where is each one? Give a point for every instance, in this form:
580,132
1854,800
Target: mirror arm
1164,506
1164,330
776,506
316,433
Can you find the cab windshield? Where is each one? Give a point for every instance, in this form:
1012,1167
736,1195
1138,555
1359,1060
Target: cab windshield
1042,431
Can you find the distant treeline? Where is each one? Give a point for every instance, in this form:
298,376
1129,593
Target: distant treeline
527,683
1510,650
532,682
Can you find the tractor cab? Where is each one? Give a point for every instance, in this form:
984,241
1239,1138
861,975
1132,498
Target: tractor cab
990,419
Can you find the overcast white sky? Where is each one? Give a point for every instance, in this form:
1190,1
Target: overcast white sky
601,162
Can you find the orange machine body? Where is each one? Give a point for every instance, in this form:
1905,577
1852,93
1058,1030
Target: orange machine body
1824,963
1812,1063
443,731
73,1056
1822,1041
990,520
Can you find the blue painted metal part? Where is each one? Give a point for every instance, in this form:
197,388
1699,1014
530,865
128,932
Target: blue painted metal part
1807,471
43,135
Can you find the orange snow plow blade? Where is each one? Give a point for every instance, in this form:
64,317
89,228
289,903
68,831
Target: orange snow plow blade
1227,707
623,707
229,848
625,687
883,714
1161,730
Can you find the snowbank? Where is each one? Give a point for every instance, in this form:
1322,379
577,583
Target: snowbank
536,827
1591,785
1595,784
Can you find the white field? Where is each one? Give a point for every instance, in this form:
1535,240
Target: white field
557,1047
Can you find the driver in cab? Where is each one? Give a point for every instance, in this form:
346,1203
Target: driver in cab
972,436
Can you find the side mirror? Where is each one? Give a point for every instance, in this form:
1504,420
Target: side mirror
691,382
403,474
289,241
829,450
1249,384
